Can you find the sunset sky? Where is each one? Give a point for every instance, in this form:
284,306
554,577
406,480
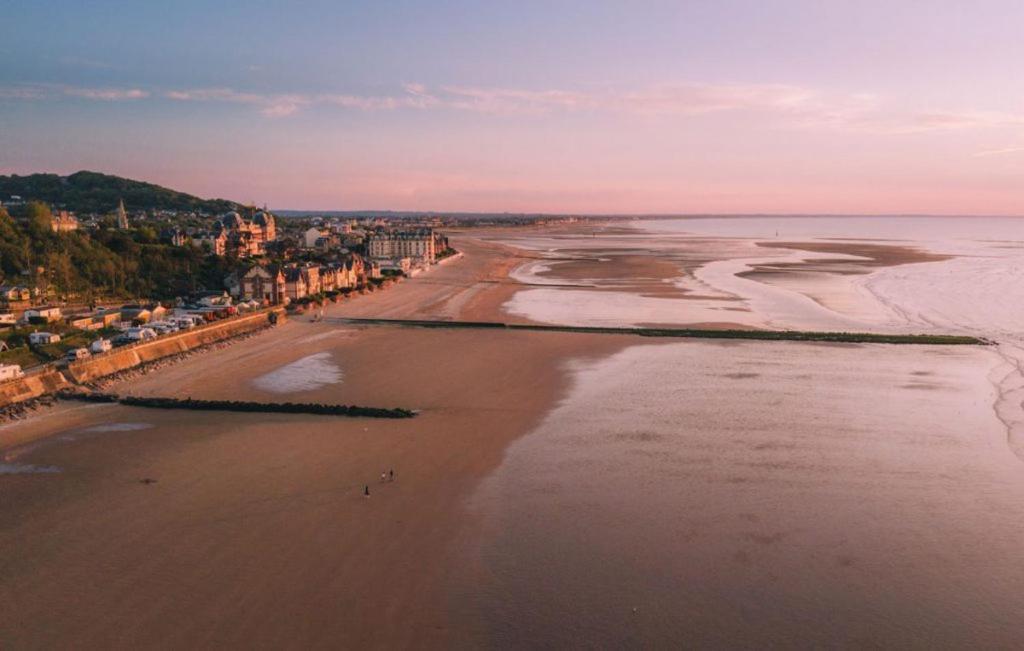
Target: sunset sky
801,106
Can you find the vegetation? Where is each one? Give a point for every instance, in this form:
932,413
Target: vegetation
104,262
92,192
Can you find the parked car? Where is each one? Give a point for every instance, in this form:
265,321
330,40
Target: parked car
164,327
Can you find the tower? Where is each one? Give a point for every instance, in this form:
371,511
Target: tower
122,216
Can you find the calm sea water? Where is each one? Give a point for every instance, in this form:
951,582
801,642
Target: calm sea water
748,495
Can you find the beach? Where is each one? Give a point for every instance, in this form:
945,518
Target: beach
555,488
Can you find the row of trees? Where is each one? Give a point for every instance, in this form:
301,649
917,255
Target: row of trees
102,262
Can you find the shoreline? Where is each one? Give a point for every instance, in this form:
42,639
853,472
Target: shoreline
495,390
254,527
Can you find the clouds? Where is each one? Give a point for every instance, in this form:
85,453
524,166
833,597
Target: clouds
51,92
107,94
782,105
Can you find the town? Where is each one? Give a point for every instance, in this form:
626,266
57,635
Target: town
253,260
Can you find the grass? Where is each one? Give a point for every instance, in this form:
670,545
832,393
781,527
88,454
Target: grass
22,356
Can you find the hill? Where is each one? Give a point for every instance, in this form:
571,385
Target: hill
92,192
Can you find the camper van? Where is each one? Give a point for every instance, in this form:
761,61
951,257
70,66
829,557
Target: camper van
140,334
76,354
7,319
10,372
100,346
43,338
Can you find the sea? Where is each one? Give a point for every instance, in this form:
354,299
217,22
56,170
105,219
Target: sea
746,494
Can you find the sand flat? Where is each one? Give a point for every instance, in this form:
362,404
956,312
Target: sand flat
732,492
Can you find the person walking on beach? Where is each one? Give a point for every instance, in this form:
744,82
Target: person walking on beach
366,490
391,475
383,477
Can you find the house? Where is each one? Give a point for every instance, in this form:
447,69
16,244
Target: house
233,283
43,338
42,314
80,321
263,284
175,237
158,312
311,275
216,241
310,237
329,277
232,234
374,270
63,222
107,318
15,293
135,313
294,283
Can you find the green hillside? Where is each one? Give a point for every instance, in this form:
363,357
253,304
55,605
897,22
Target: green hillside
92,192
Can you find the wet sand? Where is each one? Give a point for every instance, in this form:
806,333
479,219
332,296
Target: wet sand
256,532
514,518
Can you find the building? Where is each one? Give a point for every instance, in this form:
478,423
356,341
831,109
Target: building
417,244
135,314
47,314
63,222
310,237
263,284
14,294
234,235
294,283
311,276
216,241
175,236
43,338
121,214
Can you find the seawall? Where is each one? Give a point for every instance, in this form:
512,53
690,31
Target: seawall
32,386
51,379
127,357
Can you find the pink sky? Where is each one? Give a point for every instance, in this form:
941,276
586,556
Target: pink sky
596,107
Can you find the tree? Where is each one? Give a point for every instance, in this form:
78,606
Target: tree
38,217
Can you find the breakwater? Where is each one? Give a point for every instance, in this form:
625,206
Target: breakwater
241,405
693,333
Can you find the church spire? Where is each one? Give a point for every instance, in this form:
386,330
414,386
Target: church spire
122,216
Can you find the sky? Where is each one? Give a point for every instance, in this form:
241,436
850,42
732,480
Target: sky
575,106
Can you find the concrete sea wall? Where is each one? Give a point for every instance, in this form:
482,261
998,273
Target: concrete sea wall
32,386
127,357
51,379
